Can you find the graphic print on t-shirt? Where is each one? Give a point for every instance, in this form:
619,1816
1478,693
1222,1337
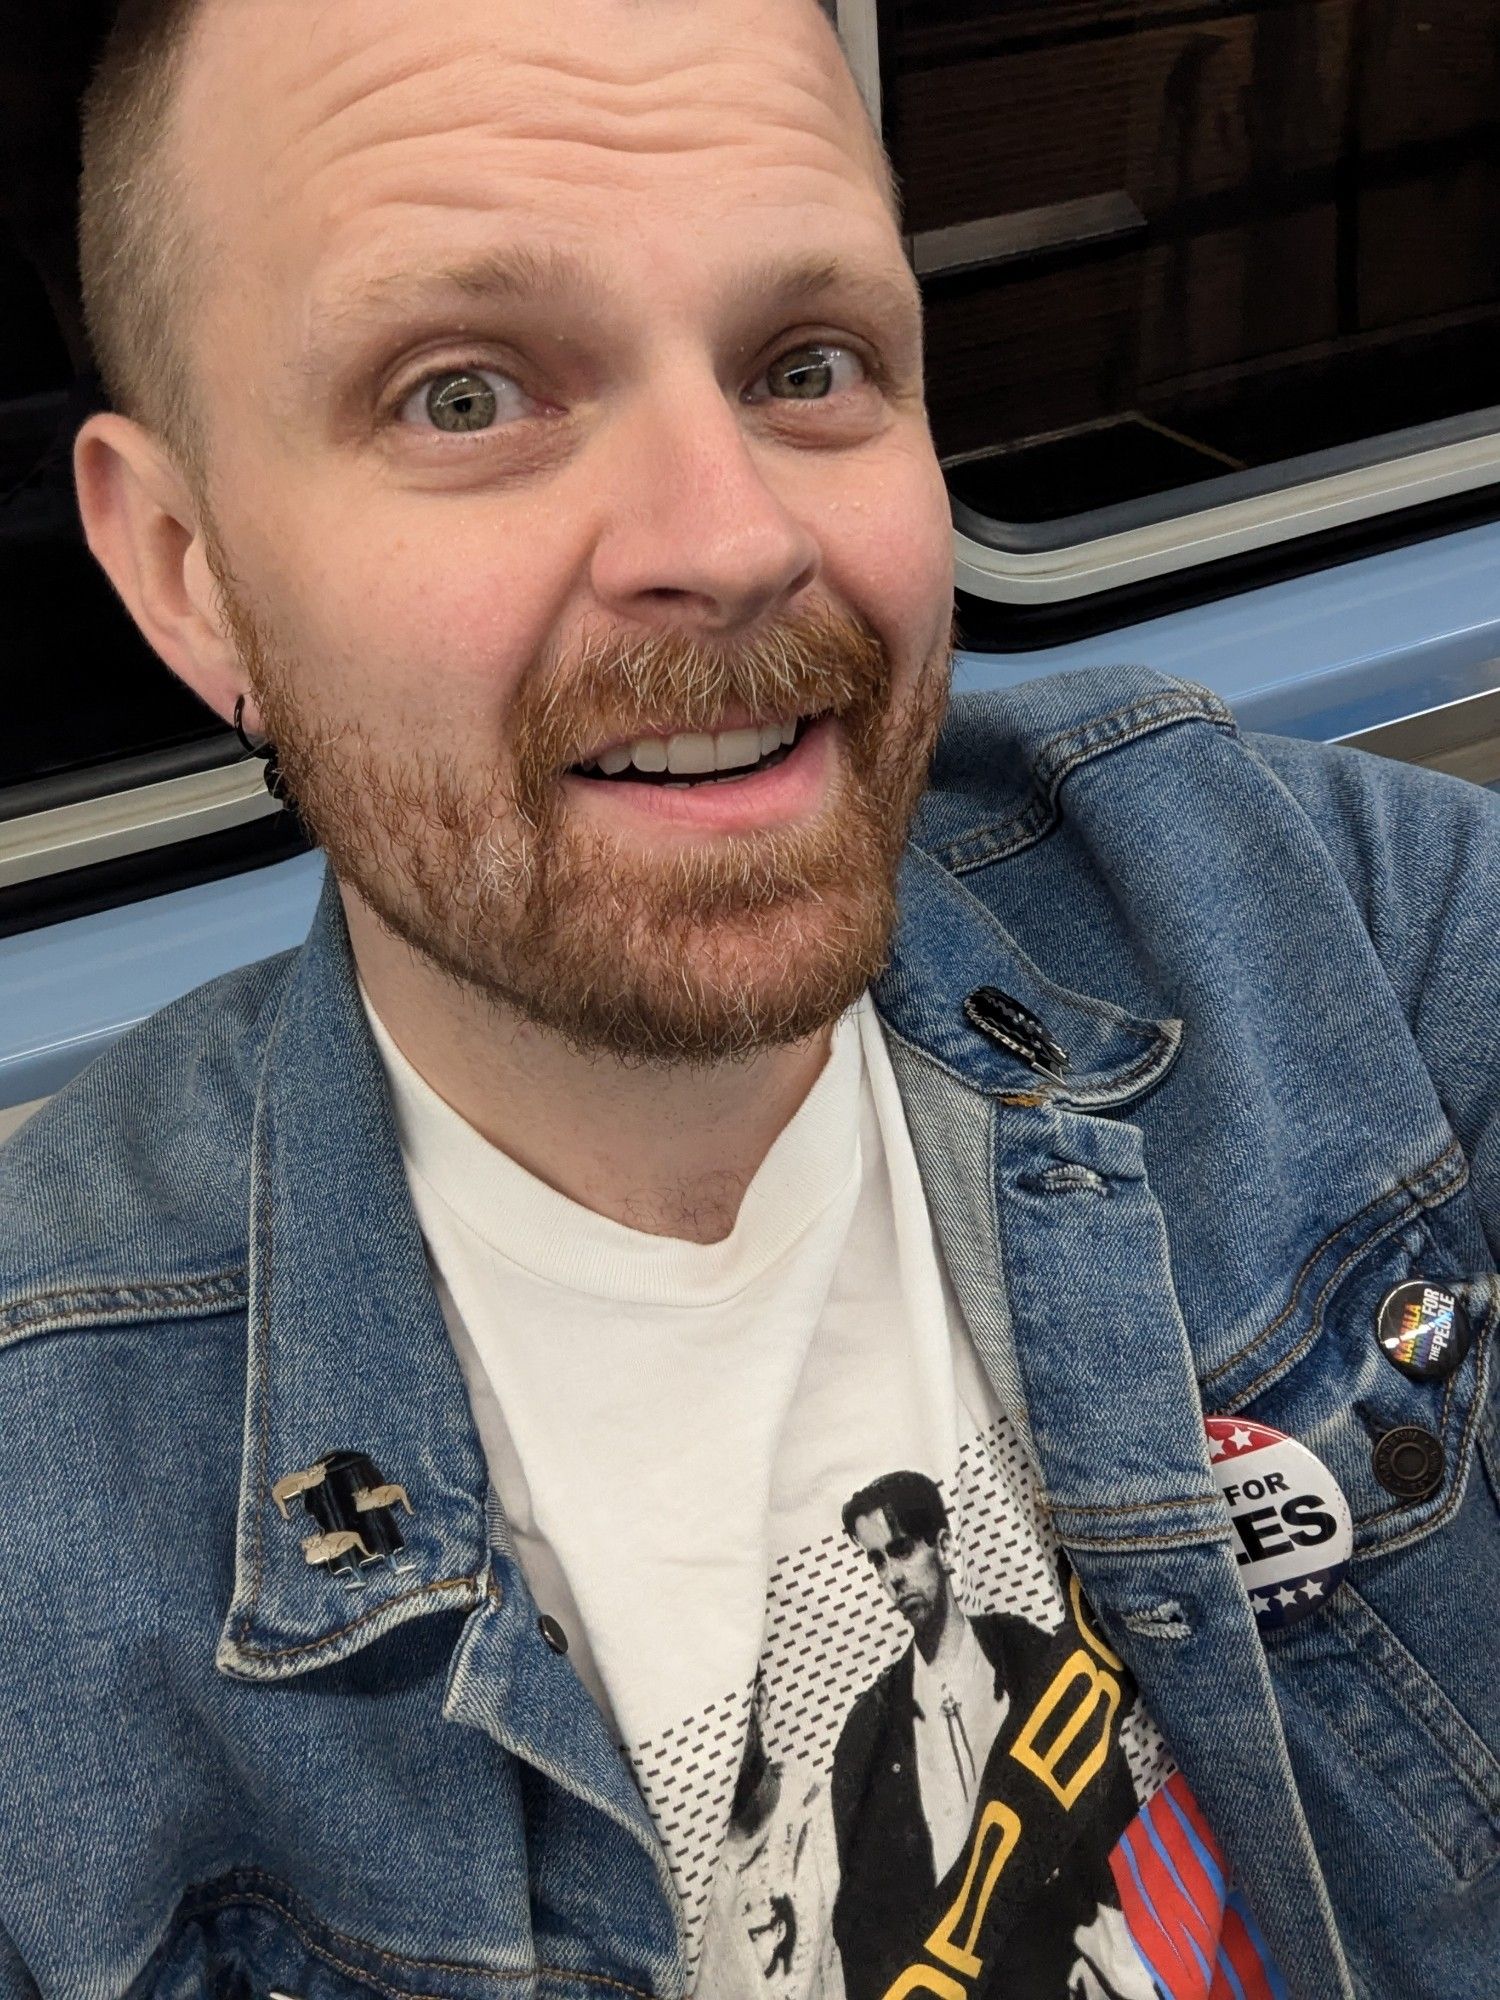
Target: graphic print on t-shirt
938,1797
977,1789
950,1833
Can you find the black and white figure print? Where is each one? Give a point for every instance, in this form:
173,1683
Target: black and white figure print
947,1687
931,1814
770,1917
931,1769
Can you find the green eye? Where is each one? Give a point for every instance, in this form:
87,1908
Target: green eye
461,403
806,373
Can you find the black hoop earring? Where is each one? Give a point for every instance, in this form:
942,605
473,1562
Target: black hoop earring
238,727
266,750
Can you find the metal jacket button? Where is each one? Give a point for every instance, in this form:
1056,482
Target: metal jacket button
1409,1462
1016,1029
552,1632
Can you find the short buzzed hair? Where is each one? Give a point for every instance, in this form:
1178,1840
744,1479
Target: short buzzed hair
141,276
910,1501
141,265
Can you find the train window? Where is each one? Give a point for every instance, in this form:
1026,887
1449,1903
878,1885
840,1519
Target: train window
1200,275
115,780
83,687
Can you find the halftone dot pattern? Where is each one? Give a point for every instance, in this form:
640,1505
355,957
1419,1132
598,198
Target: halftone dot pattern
1006,1547
686,1776
1146,1753
830,1631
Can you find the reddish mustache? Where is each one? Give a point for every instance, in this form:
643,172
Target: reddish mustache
561,723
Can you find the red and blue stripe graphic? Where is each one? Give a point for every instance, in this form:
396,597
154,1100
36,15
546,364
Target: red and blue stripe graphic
1193,1931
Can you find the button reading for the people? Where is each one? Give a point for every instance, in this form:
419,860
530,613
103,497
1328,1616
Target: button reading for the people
1423,1329
1293,1532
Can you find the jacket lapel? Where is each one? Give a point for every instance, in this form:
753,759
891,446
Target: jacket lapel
1058,1254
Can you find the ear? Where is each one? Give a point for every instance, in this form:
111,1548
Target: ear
141,523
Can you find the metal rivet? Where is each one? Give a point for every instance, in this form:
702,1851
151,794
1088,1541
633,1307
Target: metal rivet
552,1632
1409,1462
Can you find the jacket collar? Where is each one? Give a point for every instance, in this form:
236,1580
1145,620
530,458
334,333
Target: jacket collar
947,946
348,1350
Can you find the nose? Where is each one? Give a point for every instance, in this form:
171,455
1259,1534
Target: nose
694,532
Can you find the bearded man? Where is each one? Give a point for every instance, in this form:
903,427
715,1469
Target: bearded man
432,1359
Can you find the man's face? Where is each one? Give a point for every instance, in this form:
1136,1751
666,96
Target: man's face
646,477
912,1573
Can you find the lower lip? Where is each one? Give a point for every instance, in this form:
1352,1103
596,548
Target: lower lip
791,790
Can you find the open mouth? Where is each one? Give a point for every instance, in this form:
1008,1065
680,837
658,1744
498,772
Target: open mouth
691,759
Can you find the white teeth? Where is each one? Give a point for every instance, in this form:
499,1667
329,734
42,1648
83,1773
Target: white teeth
694,753
736,747
649,753
690,755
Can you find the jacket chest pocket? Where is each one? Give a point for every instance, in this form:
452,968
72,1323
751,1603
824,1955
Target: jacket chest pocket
248,1938
1400,1443
1392,1712
253,1949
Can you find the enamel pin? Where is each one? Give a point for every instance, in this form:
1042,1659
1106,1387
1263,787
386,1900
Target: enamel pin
353,1507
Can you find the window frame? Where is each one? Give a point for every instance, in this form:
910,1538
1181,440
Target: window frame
1213,520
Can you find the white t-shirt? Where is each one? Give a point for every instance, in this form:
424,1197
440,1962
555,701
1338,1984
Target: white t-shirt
674,1430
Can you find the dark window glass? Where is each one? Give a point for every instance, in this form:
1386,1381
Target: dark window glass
82,689
1164,245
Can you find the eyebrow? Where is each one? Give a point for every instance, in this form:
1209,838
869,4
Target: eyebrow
526,271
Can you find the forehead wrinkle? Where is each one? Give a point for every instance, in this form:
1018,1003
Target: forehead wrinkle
533,98
479,69
524,80
482,86
771,135
684,57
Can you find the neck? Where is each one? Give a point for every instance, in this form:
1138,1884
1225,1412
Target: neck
939,1642
669,1151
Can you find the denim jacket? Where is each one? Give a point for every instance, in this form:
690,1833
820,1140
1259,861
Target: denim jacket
1274,968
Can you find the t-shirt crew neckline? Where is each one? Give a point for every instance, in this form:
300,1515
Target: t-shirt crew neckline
537,1229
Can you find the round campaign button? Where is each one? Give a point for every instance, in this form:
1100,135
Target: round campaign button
1293,1532
1423,1329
